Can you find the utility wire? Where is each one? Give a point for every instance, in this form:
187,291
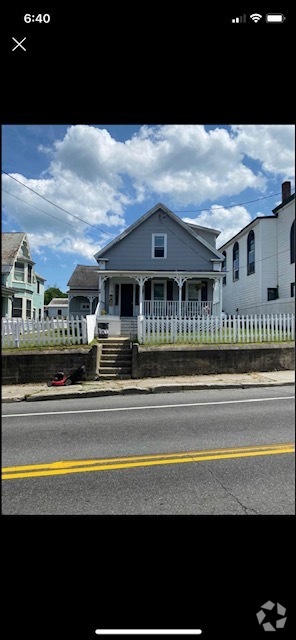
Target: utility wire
106,232
58,207
48,214
239,204
227,270
273,255
181,239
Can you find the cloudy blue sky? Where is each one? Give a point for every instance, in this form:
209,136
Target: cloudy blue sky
109,175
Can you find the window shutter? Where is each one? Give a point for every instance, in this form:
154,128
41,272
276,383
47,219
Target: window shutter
204,291
148,290
170,289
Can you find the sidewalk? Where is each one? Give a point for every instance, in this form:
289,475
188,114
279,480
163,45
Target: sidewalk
34,392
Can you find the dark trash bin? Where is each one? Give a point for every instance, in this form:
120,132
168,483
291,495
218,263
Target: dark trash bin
103,329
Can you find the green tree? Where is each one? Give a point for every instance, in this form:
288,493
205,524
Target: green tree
53,292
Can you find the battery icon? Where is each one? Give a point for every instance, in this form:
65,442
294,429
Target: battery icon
275,17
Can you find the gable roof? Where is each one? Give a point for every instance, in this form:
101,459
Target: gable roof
58,302
208,229
84,277
10,244
168,212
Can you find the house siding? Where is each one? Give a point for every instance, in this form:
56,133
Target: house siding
206,235
268,264
134,251
240,293
286,270
38,299
273,267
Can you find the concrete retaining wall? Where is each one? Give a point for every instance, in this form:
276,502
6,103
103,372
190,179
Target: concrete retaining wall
24,367
152,362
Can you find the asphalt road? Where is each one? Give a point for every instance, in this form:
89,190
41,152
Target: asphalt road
67,438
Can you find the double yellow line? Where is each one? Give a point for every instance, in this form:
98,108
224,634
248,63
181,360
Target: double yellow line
110,464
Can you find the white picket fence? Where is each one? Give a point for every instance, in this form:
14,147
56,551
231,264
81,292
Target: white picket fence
211,329
48,332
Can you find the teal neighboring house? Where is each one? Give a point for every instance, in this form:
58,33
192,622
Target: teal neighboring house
22,289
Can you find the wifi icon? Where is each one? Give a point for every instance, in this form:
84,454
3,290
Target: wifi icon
256,17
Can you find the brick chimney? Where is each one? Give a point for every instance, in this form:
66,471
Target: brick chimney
286,190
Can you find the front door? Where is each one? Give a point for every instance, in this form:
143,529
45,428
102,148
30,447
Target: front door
127,293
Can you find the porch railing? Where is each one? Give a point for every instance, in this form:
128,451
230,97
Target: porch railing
170,308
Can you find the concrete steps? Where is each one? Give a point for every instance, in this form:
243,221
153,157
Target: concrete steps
116,359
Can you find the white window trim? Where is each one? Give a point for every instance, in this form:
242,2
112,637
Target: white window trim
24,272
164,235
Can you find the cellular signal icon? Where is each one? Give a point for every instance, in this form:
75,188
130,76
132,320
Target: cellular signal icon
239,19
256,17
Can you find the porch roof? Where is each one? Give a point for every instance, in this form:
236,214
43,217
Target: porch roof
159,274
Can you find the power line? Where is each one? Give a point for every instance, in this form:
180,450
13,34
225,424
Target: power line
239,204
48,214
58,207
227,270
257,261
184,242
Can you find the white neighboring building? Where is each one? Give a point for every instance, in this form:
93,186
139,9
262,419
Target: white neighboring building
57,308
259,263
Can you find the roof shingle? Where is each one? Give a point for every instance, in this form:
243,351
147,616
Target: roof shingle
10,244
84,277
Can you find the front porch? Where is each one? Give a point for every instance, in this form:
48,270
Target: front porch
159,294
123,296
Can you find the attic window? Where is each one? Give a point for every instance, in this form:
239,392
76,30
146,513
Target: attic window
19,271
159,245
24,249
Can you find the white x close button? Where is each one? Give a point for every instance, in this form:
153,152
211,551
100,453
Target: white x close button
19,44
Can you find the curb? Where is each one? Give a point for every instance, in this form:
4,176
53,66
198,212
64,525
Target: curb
169,388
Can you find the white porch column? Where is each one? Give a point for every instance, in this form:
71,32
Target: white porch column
180,281
100,292
141,281
70,298
220,296
217,296
90,300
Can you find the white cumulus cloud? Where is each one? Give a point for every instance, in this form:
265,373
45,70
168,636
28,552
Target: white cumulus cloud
228,221
96,178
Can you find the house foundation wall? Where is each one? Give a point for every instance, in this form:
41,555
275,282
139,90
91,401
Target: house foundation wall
154,362
40,366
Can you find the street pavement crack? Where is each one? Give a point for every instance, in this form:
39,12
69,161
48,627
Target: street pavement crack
247,510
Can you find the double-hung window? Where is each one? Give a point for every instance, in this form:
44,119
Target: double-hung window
28,309
224,267
17,307
251,253
236,261
159,245
19,271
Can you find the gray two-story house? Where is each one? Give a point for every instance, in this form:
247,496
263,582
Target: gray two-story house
159,266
